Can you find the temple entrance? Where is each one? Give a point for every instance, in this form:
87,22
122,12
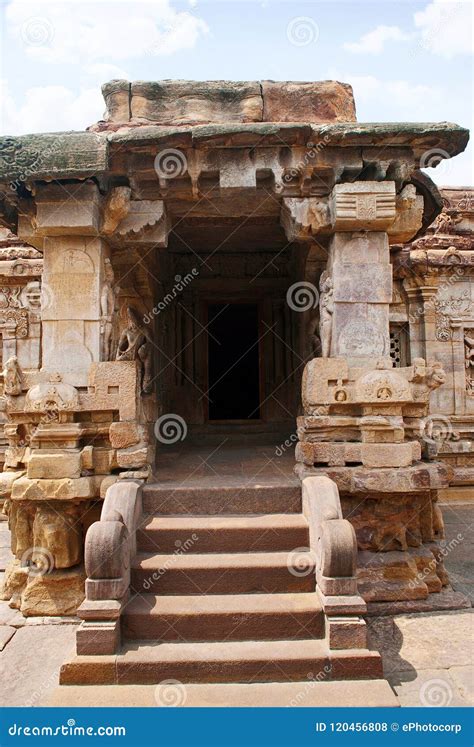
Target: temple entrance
233,361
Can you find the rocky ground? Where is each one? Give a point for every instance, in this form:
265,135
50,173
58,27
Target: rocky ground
427,656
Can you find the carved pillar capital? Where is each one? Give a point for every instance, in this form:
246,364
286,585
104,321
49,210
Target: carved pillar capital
363,206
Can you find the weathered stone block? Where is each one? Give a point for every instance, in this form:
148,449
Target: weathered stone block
390,455
53,465
61,489
116,94
322,101
123,435
61,213
193,102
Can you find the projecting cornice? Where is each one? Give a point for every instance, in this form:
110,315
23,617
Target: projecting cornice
79,155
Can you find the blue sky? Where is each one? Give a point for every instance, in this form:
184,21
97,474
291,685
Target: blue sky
407,61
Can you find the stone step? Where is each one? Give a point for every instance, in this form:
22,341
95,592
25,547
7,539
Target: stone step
307,661
226,573
217,617
241,533
349,693
221,499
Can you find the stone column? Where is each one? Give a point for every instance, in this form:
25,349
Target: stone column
74,258
359,270
361,413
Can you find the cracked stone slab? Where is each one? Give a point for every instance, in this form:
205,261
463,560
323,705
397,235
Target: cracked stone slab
31,661
6,634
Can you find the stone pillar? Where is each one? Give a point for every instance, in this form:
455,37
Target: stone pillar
74,259
362,417
359,270
79,422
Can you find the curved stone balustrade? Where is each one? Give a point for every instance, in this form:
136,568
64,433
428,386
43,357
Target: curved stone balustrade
333,540
109,549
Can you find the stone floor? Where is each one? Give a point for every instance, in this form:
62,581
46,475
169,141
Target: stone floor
427,657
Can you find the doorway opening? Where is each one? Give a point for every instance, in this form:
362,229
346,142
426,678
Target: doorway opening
233,361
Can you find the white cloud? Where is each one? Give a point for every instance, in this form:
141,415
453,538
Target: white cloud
445,28
100,72
75,31
374,41
50,109
405,99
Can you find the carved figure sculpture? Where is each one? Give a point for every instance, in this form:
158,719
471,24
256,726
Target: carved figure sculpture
134,344
326,309
12,379
107,308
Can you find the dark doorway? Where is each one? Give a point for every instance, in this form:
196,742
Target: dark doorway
233,365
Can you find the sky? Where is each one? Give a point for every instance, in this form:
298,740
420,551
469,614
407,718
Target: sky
407,61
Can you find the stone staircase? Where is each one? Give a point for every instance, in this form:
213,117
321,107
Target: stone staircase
222,590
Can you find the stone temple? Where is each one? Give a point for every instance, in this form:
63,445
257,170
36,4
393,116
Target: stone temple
237,334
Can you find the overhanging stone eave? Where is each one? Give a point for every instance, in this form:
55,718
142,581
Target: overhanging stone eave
53,155
419,135
67,155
